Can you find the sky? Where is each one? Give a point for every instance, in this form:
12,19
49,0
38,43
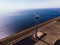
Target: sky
27,4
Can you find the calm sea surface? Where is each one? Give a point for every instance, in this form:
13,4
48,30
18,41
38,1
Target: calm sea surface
22,20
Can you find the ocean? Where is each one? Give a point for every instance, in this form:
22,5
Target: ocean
22,20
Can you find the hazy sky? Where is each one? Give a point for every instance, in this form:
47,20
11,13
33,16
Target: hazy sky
28,4
13,5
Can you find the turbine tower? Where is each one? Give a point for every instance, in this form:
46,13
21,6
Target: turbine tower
36,24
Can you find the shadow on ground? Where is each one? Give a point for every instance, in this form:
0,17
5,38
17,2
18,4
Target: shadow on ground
26,41
57,42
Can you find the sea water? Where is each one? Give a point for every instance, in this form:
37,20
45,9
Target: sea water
21,20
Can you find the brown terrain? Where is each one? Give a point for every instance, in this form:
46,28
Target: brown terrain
51,28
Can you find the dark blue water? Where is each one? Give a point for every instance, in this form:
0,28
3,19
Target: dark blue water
24,19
